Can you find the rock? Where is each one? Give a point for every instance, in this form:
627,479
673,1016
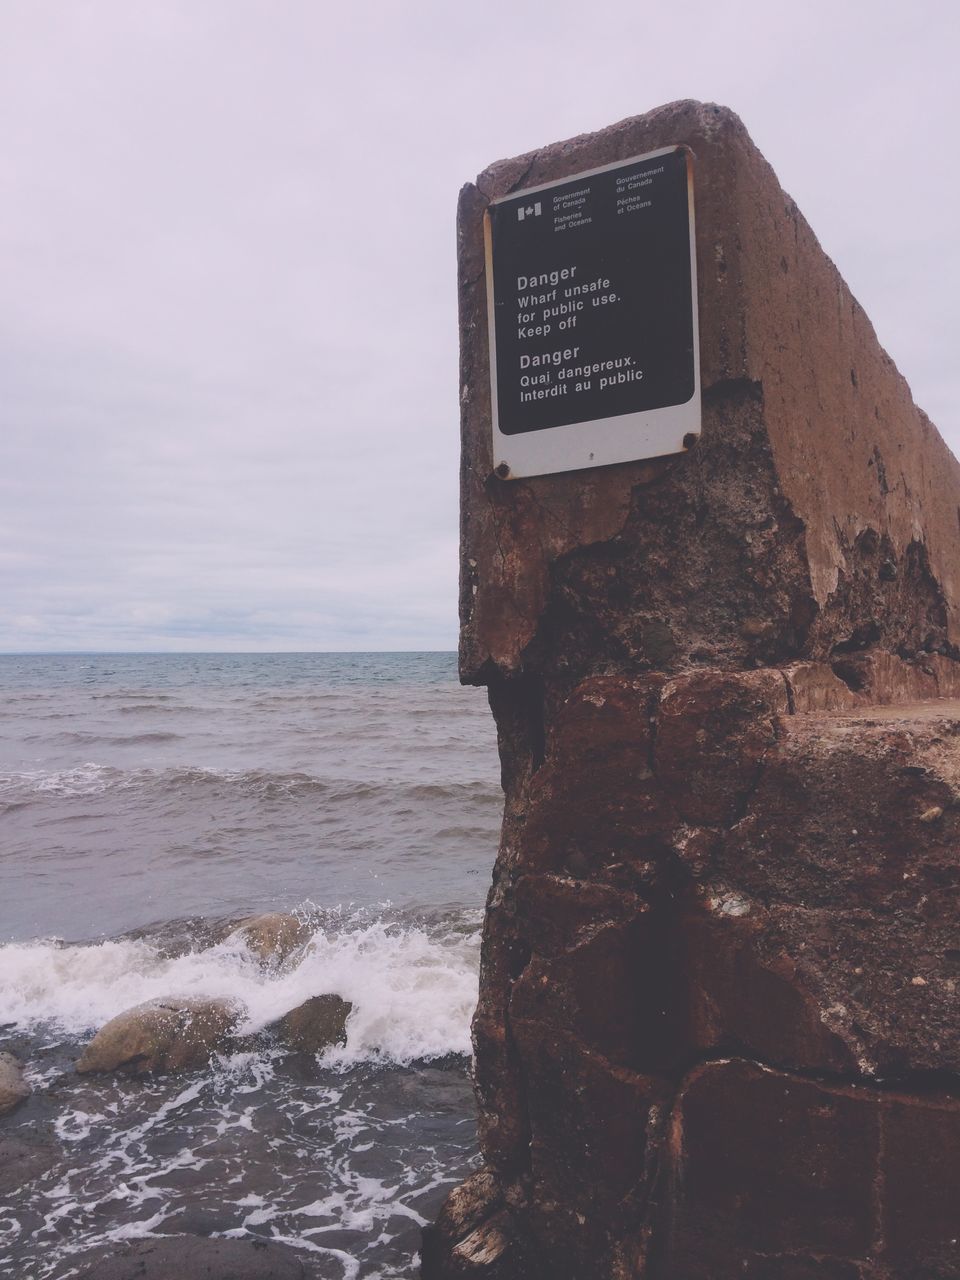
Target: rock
475,1232
13,1088
161,1035
198,1258
197,1220
933,814
777,1164
818,936
25,1153
273,937
317,1024
713,731
830,845
728,840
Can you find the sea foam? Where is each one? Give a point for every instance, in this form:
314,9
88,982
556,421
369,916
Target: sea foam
413,988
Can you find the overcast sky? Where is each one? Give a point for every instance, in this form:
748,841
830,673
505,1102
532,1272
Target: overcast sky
228,370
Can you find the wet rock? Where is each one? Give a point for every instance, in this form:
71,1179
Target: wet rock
13,1088
274,936
180,937
473,1235
317,1024
470,1203
200,1220
161,1035
488,1250
24,1155
198,1258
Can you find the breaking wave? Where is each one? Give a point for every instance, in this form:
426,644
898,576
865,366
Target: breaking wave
413,985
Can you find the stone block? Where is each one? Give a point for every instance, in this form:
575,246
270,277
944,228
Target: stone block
850,839
921,1192
745,992
593,1126
713,730
762,1163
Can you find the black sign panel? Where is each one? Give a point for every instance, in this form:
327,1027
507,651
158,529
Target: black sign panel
593,309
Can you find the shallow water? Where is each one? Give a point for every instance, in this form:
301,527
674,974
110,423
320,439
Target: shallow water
145,799
221,783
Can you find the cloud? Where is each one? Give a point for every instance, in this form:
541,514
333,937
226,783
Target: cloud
227,260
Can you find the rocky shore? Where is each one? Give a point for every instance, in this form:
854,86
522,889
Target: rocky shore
180,1033
175,1035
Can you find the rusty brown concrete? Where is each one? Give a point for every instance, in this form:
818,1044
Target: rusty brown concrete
717,1024
820,500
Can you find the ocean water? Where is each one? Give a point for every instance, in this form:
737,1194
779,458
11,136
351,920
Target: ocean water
148,801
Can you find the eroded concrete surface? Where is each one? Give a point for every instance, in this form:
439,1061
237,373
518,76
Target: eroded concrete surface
717,1029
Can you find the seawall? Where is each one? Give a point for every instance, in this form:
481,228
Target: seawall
717,1029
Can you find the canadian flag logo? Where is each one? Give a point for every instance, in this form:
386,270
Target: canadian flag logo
531,211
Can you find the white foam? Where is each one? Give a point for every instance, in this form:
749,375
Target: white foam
88,779
412,992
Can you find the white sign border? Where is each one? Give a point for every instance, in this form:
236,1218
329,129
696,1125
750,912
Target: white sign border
600,442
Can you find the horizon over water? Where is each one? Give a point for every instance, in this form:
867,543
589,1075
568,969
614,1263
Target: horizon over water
146,802
447,651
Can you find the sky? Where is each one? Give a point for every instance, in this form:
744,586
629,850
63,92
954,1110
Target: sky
228,331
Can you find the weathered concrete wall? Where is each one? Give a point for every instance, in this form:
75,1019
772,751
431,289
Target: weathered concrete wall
820,500
717,1030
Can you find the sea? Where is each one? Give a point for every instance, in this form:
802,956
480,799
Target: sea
147,802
